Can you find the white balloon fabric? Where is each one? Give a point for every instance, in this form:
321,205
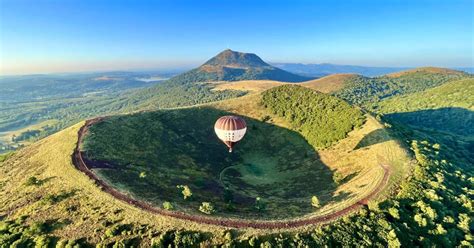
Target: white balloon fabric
230,129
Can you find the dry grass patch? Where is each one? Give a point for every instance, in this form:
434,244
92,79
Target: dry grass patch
248,85
325,84
329,83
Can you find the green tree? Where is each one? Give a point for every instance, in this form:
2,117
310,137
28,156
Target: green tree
392,240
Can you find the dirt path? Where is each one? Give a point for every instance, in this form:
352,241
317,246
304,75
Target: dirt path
235,223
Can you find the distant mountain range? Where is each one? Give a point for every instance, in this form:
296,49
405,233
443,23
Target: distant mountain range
235,66
320,70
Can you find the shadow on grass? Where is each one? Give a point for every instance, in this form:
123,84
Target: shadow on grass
45,180
341,196
349,177
452,127
458,121
55,198
375,137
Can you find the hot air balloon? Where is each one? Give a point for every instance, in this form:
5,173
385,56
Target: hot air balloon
230,129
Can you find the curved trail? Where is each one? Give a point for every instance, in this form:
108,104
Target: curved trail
79,163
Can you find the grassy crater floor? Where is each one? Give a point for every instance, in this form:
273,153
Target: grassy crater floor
147,155
150,154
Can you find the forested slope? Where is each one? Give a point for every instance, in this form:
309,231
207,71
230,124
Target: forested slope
457,93
322,119
364,90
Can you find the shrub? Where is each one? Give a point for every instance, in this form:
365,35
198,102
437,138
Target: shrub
42,241
167,205
61,243
315,201
253,241
338,178
207,208
266,118
186,239
38,228
112,231
32,181
185,190
259,204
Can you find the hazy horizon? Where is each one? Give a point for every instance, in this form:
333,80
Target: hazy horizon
86,36
103,68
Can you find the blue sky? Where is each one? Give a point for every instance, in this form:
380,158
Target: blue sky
72,35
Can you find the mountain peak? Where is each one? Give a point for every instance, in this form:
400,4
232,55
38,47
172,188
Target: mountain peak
230,65
234,59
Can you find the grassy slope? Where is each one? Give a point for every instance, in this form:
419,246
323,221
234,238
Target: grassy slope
247,85
67,197
458,93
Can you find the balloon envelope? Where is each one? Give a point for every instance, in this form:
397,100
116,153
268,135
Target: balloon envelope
230,129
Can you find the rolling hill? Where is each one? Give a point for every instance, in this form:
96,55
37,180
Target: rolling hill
456,93
365,90
433,70
324,69
443,114
331,83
